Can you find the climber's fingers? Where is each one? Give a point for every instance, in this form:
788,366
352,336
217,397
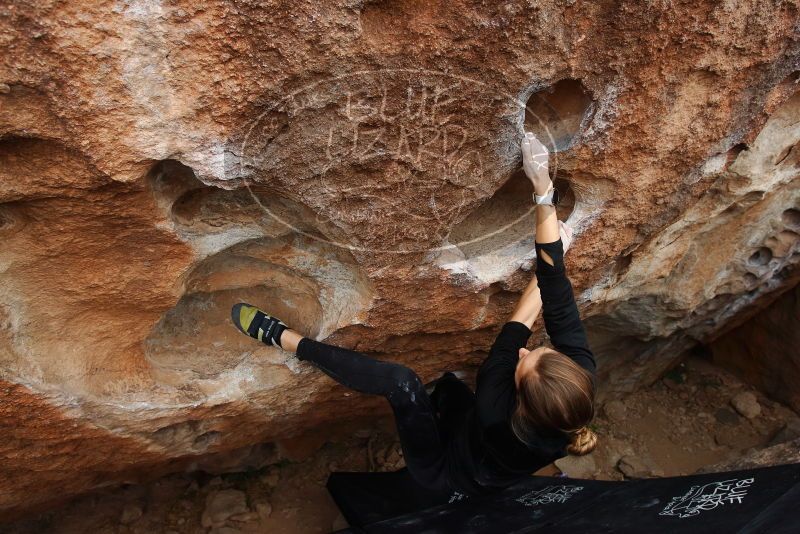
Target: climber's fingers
535,155
539,152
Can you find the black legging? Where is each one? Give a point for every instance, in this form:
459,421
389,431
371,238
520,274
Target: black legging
422,437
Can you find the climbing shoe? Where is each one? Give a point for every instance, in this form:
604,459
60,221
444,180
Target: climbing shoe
257,324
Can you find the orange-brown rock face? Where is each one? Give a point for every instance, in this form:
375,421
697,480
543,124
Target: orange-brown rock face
353,166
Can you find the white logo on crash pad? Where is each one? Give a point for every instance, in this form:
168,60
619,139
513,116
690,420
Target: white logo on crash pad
548,495
707,497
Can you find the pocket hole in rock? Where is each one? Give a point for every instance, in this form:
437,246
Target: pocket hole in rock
206,440
202,211
734,152
170,179
760,257
622,263
209,209
213,210
791,218
198,208
557,113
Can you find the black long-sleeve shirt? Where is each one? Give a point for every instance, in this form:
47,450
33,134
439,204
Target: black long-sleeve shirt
486,454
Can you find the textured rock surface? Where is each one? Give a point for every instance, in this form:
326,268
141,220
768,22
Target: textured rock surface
785,453
765,350
353,166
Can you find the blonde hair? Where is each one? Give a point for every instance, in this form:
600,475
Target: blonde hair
556,394
584,440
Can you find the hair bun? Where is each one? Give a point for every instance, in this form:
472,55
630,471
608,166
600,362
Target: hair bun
584,440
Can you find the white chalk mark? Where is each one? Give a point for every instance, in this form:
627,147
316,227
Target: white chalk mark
707,497
548,495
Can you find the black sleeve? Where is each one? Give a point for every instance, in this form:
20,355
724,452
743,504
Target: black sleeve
560,313
496,390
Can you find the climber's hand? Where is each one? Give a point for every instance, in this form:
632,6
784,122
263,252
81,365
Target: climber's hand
535,159
565,232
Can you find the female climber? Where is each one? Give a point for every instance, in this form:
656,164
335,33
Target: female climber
529,408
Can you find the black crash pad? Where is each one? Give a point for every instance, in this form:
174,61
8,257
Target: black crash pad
751,501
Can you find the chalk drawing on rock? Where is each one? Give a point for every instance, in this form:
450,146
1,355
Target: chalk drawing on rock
548,495
417,158
707,497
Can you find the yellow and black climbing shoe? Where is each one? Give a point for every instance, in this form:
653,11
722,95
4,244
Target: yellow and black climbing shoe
257,324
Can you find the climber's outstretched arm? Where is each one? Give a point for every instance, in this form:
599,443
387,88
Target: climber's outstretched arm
535,162
535,159
560,312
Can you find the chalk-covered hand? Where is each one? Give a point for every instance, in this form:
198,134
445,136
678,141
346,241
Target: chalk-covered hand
565,232
535,159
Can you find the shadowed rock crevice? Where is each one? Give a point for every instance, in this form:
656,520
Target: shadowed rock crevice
763,350
212,218
733,153
508,217
499,234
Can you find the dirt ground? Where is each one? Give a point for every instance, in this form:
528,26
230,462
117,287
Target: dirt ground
690,419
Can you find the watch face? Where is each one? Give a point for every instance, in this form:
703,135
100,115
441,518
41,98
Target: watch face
556,197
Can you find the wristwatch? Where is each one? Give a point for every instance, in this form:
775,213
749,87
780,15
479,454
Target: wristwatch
550,198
